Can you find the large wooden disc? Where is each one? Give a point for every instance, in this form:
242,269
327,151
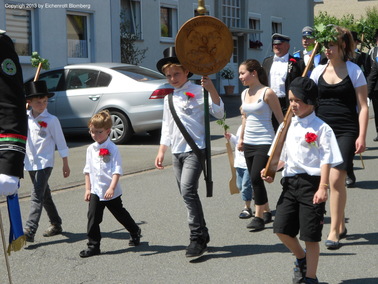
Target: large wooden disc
204,45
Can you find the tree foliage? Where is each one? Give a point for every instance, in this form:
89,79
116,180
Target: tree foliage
365,26
129,52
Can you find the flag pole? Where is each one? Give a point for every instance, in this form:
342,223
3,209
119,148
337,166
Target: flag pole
5,249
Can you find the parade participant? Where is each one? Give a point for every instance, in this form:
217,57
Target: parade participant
373,89
13,131
309,151
373,93
103,168
282,68
243,180
362,60
259,102
187,101
44,133
308,43
343,106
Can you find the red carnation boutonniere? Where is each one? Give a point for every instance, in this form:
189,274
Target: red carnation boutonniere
42,124
104,154
311,138
291,62
189,95
186,107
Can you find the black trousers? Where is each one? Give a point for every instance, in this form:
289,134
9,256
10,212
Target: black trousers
96,213
375,107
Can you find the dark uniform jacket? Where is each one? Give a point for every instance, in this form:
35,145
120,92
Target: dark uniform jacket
295,69
13,120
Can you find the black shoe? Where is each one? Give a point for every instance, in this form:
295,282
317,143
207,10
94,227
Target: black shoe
29,235
343,234
196,248
246,213
332,245
350,182
267,216
89,252
300,271
256,224
308,280
135,239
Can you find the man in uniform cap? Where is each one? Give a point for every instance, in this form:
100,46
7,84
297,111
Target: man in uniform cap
13,131
282,68
308,43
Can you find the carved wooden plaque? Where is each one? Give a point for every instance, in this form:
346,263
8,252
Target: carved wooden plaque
204,45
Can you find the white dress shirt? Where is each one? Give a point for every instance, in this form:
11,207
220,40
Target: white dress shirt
40,145
193,122
101,171
278,74
302,157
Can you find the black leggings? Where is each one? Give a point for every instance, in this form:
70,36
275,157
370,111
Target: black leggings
256,158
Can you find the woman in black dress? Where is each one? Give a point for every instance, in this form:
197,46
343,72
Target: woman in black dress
343,105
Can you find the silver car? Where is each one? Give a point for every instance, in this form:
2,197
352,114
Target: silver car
133,95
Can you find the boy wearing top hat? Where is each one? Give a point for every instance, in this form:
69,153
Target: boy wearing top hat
188,102
309,151
44,133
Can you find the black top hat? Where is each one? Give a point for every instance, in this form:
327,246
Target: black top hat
305,89
169,57
279,38
37,89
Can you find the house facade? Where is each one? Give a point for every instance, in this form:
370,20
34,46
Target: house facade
79,31
339,8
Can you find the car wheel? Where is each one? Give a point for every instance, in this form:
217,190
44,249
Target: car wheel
121,131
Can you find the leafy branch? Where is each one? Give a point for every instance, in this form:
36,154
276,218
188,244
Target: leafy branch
222,123
39,62
36,59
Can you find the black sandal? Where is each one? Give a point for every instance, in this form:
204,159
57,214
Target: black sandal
90,252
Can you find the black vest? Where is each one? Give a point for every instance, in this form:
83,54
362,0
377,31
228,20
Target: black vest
13,120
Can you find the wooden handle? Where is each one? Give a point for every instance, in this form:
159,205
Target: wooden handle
271,165
38,71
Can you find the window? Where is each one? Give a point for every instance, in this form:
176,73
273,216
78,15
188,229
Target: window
276,27
231,13
168,22
254,38
19,28
87,78
131,17
54,80
77,36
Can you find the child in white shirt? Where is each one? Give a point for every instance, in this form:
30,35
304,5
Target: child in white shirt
103,168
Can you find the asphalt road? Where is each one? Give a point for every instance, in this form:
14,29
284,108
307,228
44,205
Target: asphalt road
236,254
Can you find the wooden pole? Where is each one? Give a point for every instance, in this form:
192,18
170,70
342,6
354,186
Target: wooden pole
5,249
38,71
271,165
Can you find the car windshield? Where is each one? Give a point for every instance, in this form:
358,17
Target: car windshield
139,74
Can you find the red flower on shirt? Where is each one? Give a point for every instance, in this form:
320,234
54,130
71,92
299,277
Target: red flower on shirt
42,124
293,60
104,152
311,138
189,95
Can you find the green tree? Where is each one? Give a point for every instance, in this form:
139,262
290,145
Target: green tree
365,26
129,52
